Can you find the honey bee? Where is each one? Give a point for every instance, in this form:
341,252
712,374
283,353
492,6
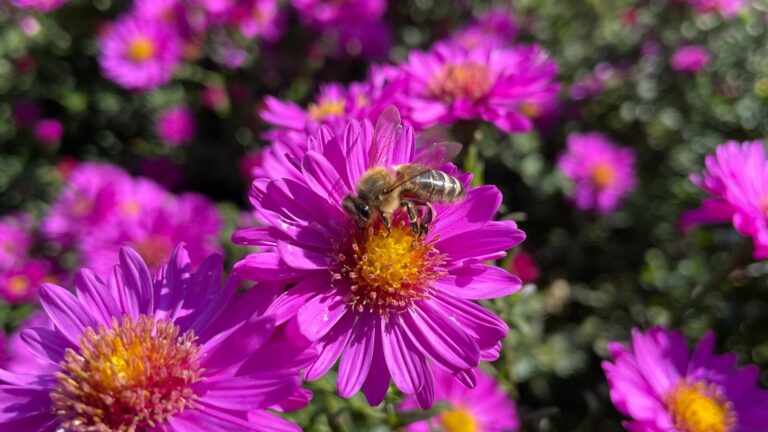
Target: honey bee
381,191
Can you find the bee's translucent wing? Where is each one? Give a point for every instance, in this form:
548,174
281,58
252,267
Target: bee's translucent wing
437,154
388,130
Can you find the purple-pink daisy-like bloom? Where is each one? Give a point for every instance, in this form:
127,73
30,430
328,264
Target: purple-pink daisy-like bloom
140,53
496,26
154,231
49,132
488,83
172,353
486,408
320,13
18,358
664,388
736,177
15,239
44,6
390,305
602,172
727,8
690,58
176,126
260,19
19,284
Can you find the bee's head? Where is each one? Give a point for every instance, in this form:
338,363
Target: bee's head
357,208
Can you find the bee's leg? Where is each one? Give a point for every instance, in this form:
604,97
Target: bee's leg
412,217
386,221
429,215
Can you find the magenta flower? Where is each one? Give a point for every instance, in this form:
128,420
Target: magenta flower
154,230
260,19
139,53
176,126
319,13
19,358
524,265
736,177
727,8
485,408
15,240
390,305
174,353
602,172
497,27
663,388
452,83
690,58
43,6
19,284
49,132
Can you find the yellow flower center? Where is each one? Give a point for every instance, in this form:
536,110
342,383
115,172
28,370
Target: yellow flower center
388,271
141,49
530,110
603,175
458,420
128,377
131,208
155,250
18,285
323,110
698,408
81,206
469,81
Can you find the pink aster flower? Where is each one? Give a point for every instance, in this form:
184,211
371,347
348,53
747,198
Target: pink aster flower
485,408
690,58
176,126
172,353
18,358
496,26
390,305
49,132
19,284
154,230
602,172
487,83
736,177
15,239
44,6
321,13
260,19
139,53
663,388
728,8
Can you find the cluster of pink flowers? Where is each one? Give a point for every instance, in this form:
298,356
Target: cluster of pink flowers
20,272
101,207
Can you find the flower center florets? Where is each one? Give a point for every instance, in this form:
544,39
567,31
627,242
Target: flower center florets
322,110
461,81
458,420
131,376
388,271
603,175
697,407
141,49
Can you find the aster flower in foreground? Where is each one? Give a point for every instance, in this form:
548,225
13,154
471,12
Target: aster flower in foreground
736,177
486,408
18,358
139,53
602,173
663,388
137,354
389,304
488,83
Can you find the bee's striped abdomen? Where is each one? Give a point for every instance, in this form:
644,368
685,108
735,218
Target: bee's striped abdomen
436,186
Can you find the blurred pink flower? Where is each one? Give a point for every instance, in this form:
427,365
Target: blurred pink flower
736,177
320,13
525,267
690,58
260,19
663,387
15,240
20,284
44,6
728,8
176,126
486,408
139,53
49,132
451,83
497,26
602,173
